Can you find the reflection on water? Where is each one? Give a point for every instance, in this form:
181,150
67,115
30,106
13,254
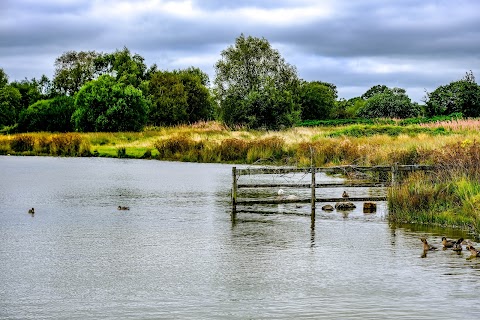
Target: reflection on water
176,254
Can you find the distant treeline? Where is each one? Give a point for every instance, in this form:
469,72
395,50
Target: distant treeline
253,88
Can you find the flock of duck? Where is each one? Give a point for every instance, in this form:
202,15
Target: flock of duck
455,245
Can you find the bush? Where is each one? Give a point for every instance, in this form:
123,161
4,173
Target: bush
48,115
23,143
105,105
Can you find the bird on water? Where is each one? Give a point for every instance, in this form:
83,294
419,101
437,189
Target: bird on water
426,246
123,208
31,211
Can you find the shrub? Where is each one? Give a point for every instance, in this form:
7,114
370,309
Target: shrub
22,143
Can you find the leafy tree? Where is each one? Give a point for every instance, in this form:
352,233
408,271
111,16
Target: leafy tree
125,67
10,105
374,90
248,70
107,105
73,69
270,108
48,115
3,78
30,92
458,96
391,103
168,99
317,100
347,109
179,97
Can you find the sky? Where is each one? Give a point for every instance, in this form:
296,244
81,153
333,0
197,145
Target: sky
417,45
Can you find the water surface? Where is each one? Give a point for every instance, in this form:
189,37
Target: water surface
177,255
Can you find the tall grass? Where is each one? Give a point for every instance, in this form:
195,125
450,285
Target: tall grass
448,196
65,144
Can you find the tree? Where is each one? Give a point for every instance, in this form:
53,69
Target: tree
391,103
3,78
30,92
107,105
73,69
179,97
48,115
251,69
168,99
10,105
458,96
345,109
374,90
317,100
125,67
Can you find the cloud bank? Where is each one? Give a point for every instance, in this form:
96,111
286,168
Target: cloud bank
416,45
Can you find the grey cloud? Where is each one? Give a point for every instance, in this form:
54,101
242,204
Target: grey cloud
437,39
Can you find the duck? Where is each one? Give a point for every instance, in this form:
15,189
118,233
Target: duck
457,246
426,246
31,211
345,194
473,251
123,208
447,243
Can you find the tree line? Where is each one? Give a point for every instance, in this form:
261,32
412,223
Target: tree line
253,87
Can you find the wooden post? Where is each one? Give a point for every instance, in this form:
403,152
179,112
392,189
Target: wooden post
313,199
234,192
394,172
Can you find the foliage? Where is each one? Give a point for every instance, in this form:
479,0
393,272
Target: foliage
179,97
347,108
391,103
48,115
377,89
317,100
3,78
105,105
73,69
342,122
30,90
253,80
10,105
390,130
461,96
124,67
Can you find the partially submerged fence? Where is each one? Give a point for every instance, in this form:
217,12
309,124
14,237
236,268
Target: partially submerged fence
356,176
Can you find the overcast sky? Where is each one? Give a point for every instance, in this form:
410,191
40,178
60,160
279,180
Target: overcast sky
417,45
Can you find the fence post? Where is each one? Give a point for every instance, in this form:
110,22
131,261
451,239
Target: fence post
313,199
234,192
394,173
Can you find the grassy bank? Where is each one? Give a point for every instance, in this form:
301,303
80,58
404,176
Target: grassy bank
448,197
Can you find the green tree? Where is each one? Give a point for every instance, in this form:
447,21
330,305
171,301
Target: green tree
107,105
125,67
48,115
391,103
458,96
348,109
379,88
317,100
73,69
248,70
10,105
3,78
179,97
30,91
168,99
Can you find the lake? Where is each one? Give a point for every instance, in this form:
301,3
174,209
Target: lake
176,254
